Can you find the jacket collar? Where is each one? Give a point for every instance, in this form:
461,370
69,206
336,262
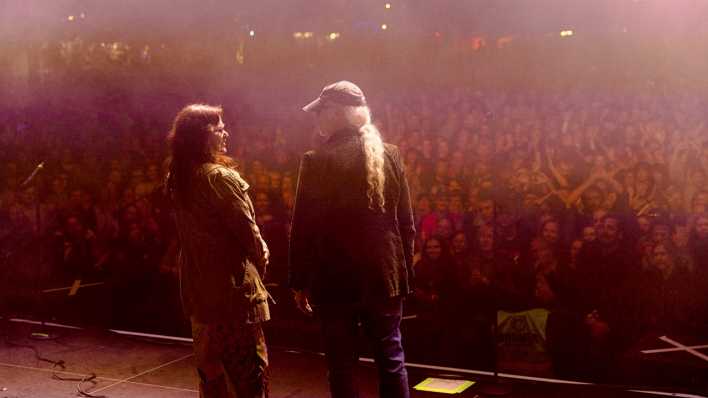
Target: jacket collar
342,134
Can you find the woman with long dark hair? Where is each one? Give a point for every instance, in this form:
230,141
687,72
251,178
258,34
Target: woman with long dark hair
222,256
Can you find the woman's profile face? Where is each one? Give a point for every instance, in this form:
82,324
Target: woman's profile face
217,137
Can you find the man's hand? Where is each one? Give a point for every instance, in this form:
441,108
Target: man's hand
302,300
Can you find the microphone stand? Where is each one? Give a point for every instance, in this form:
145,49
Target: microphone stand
495,387
42,333
29,179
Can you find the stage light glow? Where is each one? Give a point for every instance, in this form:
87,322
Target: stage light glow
305,35
70,18
252,33
333,36
477,43
567,33
388,6
240,53
504,41
384,27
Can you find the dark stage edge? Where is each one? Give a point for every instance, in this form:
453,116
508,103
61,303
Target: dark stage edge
135,367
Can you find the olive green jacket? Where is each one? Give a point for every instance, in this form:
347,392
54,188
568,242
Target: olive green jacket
222,255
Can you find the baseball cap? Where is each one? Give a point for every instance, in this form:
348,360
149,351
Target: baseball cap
342,93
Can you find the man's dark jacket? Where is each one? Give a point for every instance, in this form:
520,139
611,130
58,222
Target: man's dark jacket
341,250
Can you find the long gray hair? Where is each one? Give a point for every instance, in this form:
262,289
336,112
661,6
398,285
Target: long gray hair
360,118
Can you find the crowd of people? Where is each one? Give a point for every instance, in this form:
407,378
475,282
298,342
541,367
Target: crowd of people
591,205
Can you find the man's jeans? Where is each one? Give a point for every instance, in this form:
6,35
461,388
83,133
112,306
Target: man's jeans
381,323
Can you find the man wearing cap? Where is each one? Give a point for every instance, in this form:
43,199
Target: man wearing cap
351,245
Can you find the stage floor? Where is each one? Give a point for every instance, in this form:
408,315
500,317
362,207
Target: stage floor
136,367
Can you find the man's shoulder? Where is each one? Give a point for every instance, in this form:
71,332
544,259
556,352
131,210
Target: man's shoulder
328,151
390,147
392,150
393,154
